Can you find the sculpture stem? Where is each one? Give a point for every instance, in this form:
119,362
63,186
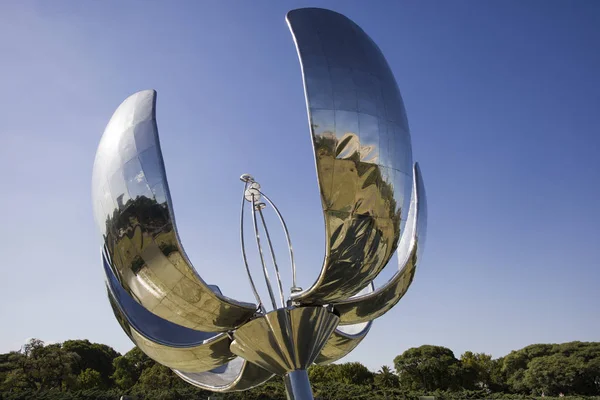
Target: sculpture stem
297,385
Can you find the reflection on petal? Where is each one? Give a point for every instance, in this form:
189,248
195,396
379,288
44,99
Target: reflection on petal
236,375
345,338
135,215
165,342
370,306
362,150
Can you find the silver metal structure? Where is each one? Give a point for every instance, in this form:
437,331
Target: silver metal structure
373,203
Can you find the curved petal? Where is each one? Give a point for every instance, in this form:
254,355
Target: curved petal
343,341
134,213
167,343
285,339
345,338
236,375
362,150
368,307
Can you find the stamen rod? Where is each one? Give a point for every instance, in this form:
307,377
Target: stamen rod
262,258
264,224
287,236
260,303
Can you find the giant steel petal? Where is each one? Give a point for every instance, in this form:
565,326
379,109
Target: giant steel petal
370,306
362,150
342,342
345,338
285,339
236,375
134,212
165,342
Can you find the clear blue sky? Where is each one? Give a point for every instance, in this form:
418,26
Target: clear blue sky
503,99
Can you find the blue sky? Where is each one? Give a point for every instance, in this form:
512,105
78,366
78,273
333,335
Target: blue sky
502,99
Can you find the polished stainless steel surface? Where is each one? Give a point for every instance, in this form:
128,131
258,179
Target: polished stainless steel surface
286,339
362,150
297,385
134,213
345,338
169,344
236,375
373,305
342,342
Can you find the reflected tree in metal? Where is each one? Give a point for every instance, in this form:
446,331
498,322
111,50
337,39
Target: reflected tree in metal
373,203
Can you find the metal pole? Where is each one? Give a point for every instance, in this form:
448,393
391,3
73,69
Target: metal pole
297,385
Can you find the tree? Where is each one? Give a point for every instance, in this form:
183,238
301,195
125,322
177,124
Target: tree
515,365
129,367
15,372
42,367
592,377
158,377
58,367
354,373
320,374
428,368
477,370
89,379
574,368
5,367
347,373
94,356
551,375
567,367
385,378
125,375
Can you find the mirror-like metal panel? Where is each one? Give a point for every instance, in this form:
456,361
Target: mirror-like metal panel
212,353
165,342
362,150
285,339
236,375
343,340
134,213
148,324
370,306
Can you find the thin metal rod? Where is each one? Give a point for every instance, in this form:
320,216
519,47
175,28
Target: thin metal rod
262,258
287,236
260,303
297,385
264,224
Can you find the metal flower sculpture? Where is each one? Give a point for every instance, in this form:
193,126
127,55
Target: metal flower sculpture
365,173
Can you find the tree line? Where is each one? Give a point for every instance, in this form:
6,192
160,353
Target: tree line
79,369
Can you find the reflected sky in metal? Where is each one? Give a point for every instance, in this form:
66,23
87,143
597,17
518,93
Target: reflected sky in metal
149,325
362,150
167,343
234,376
212,353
